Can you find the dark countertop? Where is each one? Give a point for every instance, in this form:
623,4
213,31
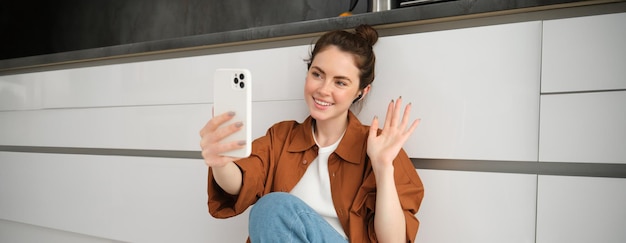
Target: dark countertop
408,15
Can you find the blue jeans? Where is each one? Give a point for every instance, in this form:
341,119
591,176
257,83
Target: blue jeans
282,217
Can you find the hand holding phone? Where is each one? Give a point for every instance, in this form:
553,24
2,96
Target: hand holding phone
232,93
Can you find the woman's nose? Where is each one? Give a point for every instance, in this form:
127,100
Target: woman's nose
324,87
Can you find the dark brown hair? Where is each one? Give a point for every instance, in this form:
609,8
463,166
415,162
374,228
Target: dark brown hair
360,43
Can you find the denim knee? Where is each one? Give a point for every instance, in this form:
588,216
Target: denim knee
272,202
282,217
272,218
272,199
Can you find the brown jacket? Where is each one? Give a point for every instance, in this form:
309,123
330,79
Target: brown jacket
280,158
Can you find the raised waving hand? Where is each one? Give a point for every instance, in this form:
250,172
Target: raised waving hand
384,147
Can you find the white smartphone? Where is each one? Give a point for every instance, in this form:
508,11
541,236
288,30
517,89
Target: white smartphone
232,91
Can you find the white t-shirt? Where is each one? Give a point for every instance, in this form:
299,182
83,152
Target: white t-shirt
314,187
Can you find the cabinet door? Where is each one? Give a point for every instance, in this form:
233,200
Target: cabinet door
476,90
585,127
477,207
581,209
585,53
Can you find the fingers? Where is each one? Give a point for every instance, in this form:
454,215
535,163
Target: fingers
405,121
216,121
396,112
226,131
374,127
389,115
413,126
211,136
405,116
219,148
212,152
211,139
396,121
392,119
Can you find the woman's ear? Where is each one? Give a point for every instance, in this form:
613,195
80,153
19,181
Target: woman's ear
366,90
362,93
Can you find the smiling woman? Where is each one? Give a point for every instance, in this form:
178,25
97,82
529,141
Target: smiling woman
332,84
354,171
362,55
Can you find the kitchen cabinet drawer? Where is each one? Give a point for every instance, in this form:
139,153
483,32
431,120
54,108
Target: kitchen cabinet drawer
581,209
583,127
585,53
479,207
478,98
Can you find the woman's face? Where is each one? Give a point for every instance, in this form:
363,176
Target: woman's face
332,83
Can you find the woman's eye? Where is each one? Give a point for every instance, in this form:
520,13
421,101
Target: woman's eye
341,83
316,74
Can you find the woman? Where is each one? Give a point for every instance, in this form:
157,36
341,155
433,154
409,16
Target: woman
330,178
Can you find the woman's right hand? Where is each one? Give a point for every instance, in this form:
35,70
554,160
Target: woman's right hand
211,137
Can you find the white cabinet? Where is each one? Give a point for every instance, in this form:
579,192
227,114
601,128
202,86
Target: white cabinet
583,120
581,209
583,127
477,207
121,199
581,56
165,127
186,80
586,53
475,89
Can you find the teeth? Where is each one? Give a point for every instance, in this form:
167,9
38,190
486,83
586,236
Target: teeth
322,103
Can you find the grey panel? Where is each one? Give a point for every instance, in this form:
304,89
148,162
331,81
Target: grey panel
521,167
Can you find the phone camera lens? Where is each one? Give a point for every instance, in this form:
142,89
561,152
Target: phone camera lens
236,81
241,76
242,84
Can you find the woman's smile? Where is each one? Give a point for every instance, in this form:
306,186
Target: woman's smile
320,104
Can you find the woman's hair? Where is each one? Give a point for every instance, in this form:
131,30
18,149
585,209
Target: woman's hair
360,43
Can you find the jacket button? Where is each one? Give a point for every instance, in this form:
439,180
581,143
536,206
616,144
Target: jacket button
304,162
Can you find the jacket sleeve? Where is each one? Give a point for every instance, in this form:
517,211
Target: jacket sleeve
410,192
254,171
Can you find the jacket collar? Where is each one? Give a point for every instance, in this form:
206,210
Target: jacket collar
355,139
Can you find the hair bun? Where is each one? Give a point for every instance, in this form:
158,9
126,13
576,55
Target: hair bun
368,33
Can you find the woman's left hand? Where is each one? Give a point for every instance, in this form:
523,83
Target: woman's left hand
384,147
